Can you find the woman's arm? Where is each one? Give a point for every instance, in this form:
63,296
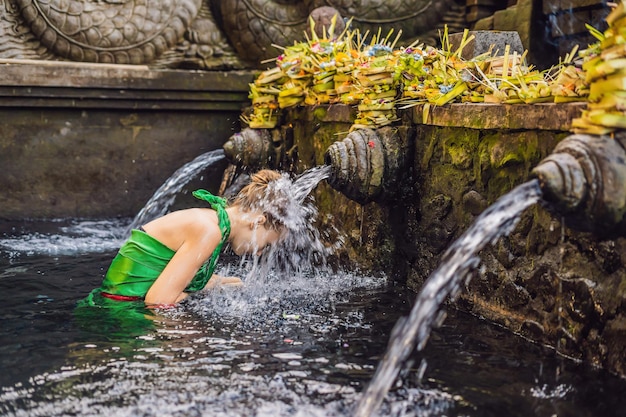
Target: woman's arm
198,245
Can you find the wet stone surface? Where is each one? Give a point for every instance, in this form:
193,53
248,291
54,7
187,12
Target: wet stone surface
558,287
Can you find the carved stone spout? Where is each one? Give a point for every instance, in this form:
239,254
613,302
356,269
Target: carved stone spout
584,180
250,148
368,165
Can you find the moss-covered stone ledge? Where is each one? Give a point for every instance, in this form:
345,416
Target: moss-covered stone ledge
556,286
540,116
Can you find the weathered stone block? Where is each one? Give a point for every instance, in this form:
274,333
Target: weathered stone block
485,40
87,140
517,18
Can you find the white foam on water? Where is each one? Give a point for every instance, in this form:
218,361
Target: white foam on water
79,237
546,392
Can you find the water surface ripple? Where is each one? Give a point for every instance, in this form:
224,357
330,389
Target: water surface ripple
301,343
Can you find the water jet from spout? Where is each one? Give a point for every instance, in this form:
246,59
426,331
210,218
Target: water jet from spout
164,197
456,264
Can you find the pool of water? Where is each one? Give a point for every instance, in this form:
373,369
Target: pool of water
280,346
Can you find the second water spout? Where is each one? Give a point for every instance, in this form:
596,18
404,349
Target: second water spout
584,180
368,165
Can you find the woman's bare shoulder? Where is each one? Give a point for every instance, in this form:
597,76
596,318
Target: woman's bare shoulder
194,224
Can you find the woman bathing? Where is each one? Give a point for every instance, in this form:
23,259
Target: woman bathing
175,255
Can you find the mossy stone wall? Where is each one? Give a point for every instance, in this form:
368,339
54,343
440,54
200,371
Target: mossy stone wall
368,238
556,286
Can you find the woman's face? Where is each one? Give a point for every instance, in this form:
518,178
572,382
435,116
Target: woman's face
254,239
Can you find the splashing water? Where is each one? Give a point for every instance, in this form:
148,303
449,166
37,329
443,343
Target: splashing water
308,180
303,245
289,201
278,300
285,198
164,197
459,259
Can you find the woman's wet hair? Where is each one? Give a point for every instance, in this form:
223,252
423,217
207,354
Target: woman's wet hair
268,193
289,208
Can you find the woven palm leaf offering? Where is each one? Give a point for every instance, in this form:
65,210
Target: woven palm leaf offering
378,79
297,65
375,84
329,56
264,96
332,58
605,70
567,80
304,74
508,79
326,54
437,76
413,69
344,89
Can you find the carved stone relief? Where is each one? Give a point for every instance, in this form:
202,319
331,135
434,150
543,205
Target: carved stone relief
199,34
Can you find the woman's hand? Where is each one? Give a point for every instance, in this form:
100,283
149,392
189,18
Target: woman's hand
220,281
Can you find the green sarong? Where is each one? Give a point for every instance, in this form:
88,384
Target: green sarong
142,258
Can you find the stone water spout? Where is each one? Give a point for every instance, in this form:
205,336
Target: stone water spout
368,165
252,148
584,180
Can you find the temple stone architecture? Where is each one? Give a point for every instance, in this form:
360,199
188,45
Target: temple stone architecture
101,101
